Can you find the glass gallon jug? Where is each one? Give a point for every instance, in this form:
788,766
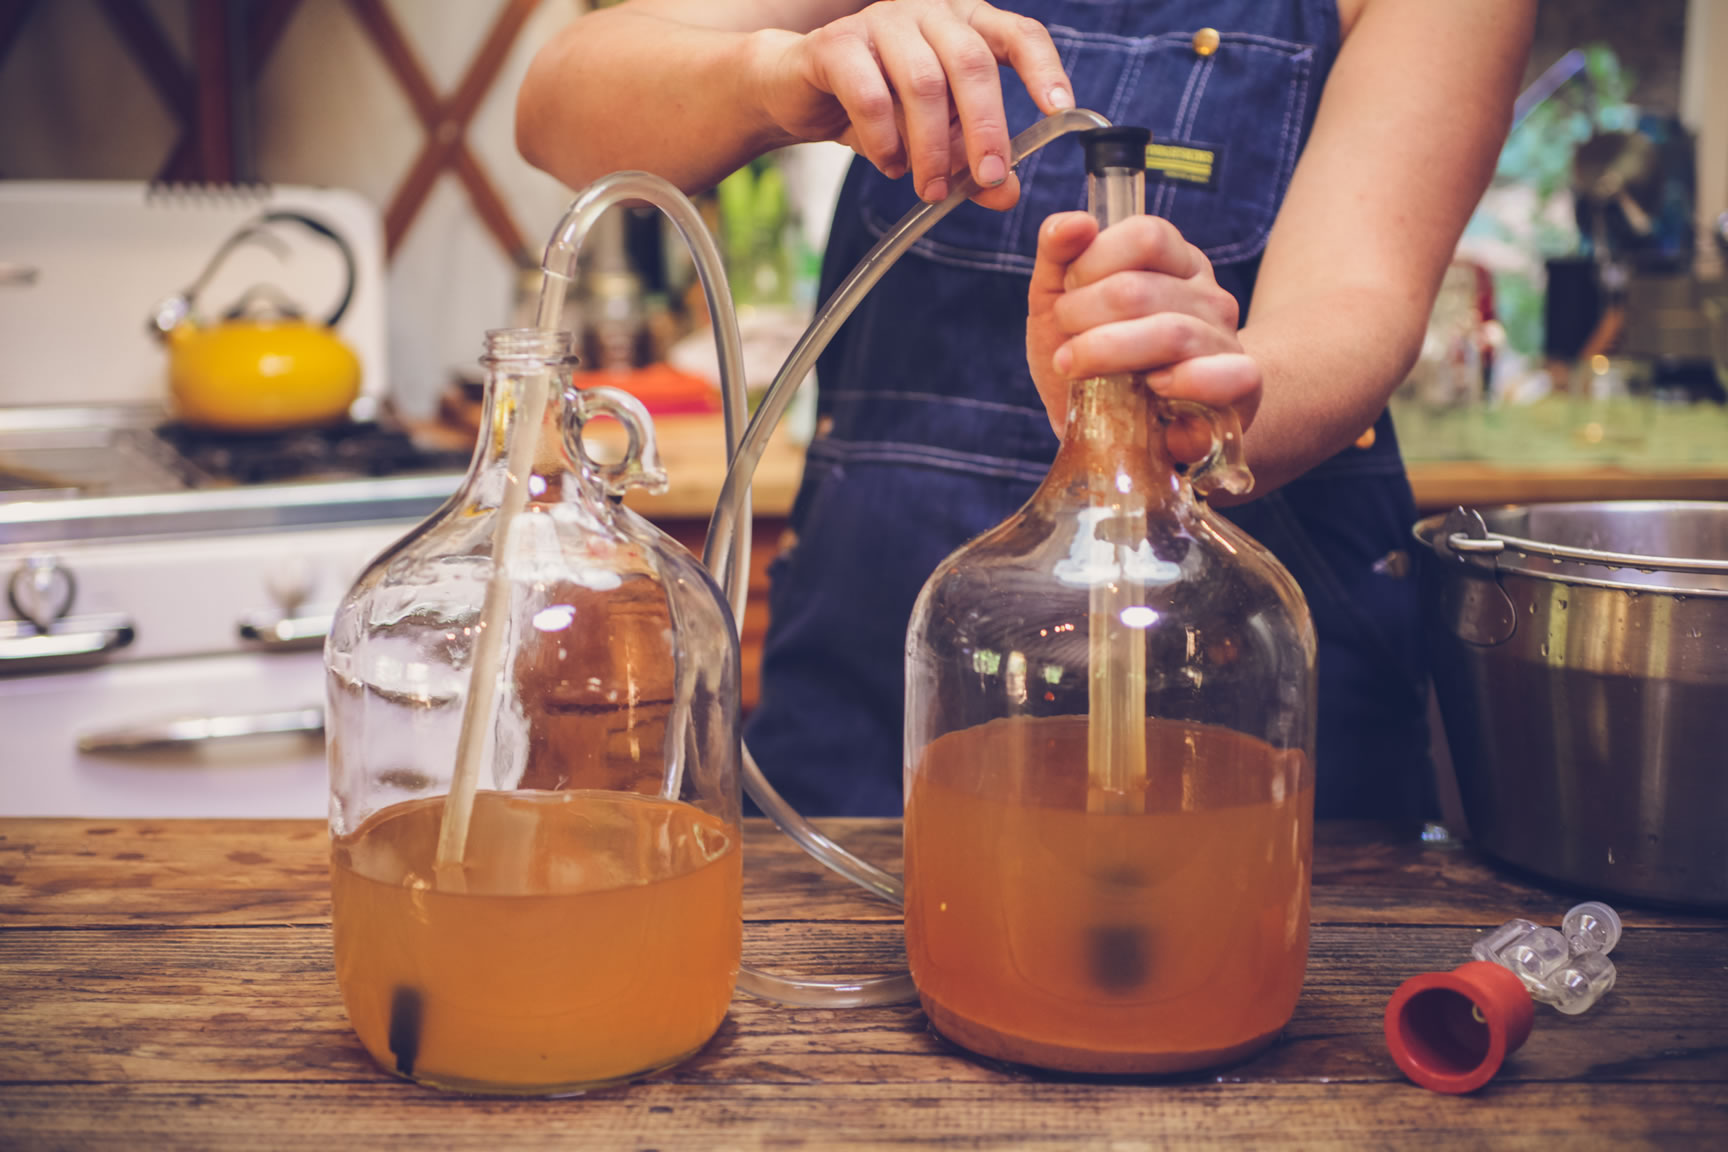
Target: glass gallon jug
573,918
1110,713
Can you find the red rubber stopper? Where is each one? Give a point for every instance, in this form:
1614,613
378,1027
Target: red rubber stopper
1450,1031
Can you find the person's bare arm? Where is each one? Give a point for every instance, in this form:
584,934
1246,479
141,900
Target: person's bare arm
668,86
1410,125
691,89
1412,119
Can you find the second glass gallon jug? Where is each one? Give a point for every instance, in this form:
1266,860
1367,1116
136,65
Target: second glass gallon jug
1110,710
562,908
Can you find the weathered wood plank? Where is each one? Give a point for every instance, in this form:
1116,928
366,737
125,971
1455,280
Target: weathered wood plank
169,983
670,1116
85,873
781,882
216,1004
77,872
1373,873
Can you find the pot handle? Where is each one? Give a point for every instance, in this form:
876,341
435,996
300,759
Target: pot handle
1475,606
1471,545
1464,535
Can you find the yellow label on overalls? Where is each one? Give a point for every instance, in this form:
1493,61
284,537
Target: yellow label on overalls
1189,163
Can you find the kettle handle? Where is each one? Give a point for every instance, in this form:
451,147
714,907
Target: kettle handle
342,246
171,312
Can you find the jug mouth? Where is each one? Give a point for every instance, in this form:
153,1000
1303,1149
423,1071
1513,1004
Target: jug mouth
521,345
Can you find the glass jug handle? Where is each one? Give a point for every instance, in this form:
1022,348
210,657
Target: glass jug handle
640,465
1223,468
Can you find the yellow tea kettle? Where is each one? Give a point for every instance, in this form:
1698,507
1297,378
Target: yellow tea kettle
263,366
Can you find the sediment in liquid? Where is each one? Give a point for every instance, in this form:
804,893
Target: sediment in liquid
595,936
1166,934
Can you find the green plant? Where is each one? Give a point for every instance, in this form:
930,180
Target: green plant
1527,217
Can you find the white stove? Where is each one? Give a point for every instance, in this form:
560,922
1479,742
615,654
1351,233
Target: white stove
164,595
161,652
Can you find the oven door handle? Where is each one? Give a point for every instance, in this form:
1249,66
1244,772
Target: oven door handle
181,731
288,634
24,647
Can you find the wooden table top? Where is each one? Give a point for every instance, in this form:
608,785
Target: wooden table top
169,983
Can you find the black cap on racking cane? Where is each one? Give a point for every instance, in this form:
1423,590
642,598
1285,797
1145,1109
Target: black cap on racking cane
1123,146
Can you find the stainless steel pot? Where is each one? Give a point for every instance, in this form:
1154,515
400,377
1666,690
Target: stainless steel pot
1581,659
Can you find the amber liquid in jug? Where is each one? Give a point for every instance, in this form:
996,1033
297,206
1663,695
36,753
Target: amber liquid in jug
606,944
1037,928
588,927
1110,717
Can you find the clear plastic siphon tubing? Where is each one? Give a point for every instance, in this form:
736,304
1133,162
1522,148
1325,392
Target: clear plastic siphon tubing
726,553
560,265
1116,664
731,510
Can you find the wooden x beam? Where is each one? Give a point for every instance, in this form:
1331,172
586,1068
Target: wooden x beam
13,14
150,49
446,122
199,102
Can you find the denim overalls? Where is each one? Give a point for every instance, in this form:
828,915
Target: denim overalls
938,434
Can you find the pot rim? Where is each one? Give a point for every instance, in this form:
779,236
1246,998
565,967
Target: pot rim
1467,538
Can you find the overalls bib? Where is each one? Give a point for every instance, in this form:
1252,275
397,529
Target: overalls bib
934,432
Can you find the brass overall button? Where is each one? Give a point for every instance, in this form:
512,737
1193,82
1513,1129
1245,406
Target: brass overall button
1205,41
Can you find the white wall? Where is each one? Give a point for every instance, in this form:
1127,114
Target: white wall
73,105
328,112
1704,108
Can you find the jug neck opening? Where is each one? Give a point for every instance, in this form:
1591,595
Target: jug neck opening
527,348
1113,446
517,359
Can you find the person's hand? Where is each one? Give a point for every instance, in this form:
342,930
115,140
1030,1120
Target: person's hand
1135,298
913,85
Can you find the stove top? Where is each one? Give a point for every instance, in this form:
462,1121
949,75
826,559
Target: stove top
76,473
41,459
345,450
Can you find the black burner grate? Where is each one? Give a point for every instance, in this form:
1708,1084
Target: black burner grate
344,450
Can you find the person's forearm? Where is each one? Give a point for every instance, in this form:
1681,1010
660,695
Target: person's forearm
622,89
1329,367
1410,124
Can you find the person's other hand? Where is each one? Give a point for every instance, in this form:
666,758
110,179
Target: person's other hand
1135,298
914,85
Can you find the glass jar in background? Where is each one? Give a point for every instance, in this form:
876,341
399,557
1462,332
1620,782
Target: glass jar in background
588,927
1439,406
1110,716
1612,407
